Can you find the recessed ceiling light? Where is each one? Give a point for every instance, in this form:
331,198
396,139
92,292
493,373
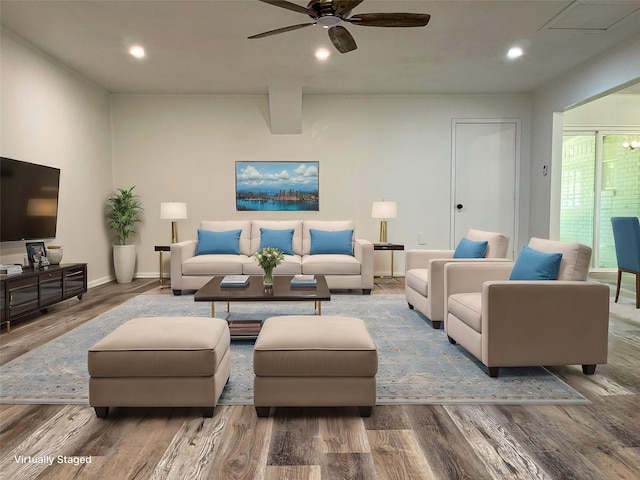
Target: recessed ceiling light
514,52
137,51
322,54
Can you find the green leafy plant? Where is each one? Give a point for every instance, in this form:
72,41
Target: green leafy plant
124,212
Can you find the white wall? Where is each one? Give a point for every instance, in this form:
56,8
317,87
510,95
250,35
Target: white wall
54,117
604,74
612,111
184,148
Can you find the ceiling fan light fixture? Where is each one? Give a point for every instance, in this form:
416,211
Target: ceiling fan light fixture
329,21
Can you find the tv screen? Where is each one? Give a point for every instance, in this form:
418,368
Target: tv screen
29,200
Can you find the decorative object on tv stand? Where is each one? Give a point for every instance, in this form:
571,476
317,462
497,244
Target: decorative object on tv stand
37,253
124,212
173,211
269,258
384,210
54,253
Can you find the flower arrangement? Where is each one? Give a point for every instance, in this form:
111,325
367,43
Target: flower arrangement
269,258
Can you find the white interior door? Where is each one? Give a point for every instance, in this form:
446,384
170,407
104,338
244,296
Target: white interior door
484,178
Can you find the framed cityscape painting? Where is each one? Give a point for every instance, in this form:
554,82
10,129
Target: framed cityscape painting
277,186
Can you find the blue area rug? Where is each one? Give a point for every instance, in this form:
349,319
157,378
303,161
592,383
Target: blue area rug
416,363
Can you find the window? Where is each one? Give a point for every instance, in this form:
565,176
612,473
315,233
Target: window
600,180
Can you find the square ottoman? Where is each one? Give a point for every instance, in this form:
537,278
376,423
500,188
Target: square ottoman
160,362
314,361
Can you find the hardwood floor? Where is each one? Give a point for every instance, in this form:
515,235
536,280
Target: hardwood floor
598,441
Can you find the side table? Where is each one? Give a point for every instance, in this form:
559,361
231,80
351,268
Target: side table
162,249
390,247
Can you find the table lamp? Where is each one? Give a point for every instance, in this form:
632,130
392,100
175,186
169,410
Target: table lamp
173,211
384,210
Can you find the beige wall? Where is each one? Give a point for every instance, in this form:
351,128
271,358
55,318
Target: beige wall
184,148
54,117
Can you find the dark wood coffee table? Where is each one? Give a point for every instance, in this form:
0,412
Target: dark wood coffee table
254,291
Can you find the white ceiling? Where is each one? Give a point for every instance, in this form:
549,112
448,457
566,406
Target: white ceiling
201,47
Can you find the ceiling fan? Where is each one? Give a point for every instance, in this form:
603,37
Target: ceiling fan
331,13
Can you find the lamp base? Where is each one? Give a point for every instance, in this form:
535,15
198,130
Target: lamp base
383,231
174,232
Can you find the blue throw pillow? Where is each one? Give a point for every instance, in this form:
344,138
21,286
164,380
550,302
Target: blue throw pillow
338,242
280,239
469,249
210,242
535,265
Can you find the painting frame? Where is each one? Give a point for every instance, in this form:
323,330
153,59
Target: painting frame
35,251
277,186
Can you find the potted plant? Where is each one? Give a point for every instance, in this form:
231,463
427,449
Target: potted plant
124,212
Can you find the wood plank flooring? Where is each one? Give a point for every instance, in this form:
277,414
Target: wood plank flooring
598,441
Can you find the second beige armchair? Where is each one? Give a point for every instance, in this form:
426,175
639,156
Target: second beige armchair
424,275
516,323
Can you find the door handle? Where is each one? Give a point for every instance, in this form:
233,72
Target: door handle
459,206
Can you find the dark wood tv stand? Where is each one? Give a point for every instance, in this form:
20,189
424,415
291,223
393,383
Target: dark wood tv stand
36,289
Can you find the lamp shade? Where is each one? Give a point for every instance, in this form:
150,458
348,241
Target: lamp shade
384,210
173,210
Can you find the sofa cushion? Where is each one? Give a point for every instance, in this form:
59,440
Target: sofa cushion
328,242
467,307
290,266
214,265
280,239
575,257
296,240
534,265
418,279
321,346
226,225
326,225
210,242
470,249
161,347
497,243
330,265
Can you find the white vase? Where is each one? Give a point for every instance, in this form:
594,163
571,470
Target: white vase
54,254
124,262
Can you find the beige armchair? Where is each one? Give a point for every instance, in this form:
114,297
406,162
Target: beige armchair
424,273
515,323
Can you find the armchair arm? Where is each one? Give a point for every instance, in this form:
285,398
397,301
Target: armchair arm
436,287
468,277
421,258
180,252
363,252
544,322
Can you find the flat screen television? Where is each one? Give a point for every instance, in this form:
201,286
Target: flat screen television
28,200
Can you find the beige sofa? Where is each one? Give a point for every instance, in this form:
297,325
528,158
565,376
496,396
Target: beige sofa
514,323
424,275
190,271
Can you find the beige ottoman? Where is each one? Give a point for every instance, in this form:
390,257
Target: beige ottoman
160,362
314,361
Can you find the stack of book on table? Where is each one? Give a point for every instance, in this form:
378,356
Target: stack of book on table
303,281
10,269
234,281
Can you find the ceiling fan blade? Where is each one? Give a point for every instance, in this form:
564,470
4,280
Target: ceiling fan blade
290,6
345,6
342,39
281,30
390,19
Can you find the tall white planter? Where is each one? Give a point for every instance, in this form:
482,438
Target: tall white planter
124,262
